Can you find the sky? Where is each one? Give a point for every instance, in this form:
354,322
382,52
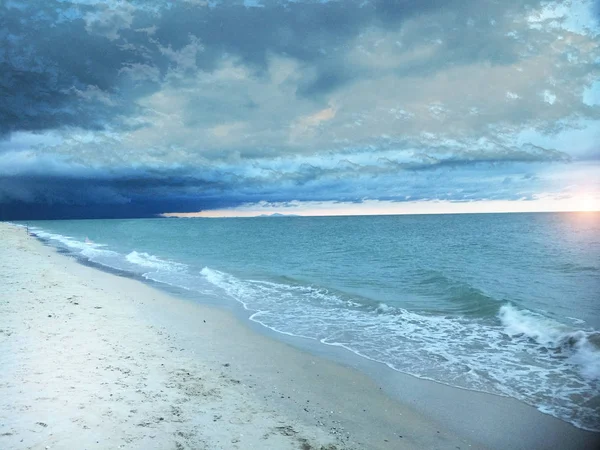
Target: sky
136,108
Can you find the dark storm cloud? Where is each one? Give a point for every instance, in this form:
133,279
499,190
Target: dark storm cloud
42,68
67,190
152,106
54,49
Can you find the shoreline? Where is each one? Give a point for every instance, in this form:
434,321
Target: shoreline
268,386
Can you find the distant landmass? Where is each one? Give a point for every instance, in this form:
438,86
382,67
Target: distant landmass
278,215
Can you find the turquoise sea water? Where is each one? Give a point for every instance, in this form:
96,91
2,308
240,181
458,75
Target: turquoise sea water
501,303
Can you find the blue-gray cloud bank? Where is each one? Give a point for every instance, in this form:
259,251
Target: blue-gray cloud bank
133,108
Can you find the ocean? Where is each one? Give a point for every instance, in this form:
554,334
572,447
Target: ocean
507,304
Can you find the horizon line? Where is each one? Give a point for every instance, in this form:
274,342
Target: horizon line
280,215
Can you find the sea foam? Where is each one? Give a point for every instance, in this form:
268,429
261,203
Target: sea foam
93,251
153,262
581,346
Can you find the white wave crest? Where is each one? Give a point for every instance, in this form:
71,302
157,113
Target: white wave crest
582,346
383,308
89,249
153,262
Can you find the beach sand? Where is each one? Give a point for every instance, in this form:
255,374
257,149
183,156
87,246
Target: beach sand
89,359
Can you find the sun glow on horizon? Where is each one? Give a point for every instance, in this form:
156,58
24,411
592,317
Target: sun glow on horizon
586,203
580,203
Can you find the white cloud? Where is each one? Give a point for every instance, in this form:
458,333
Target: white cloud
549,97
110,19
591,94
576,16
140,72
94,93
185,58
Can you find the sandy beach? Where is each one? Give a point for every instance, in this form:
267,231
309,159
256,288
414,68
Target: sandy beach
89,359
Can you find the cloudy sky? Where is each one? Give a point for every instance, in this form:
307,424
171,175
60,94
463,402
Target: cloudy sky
135,108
